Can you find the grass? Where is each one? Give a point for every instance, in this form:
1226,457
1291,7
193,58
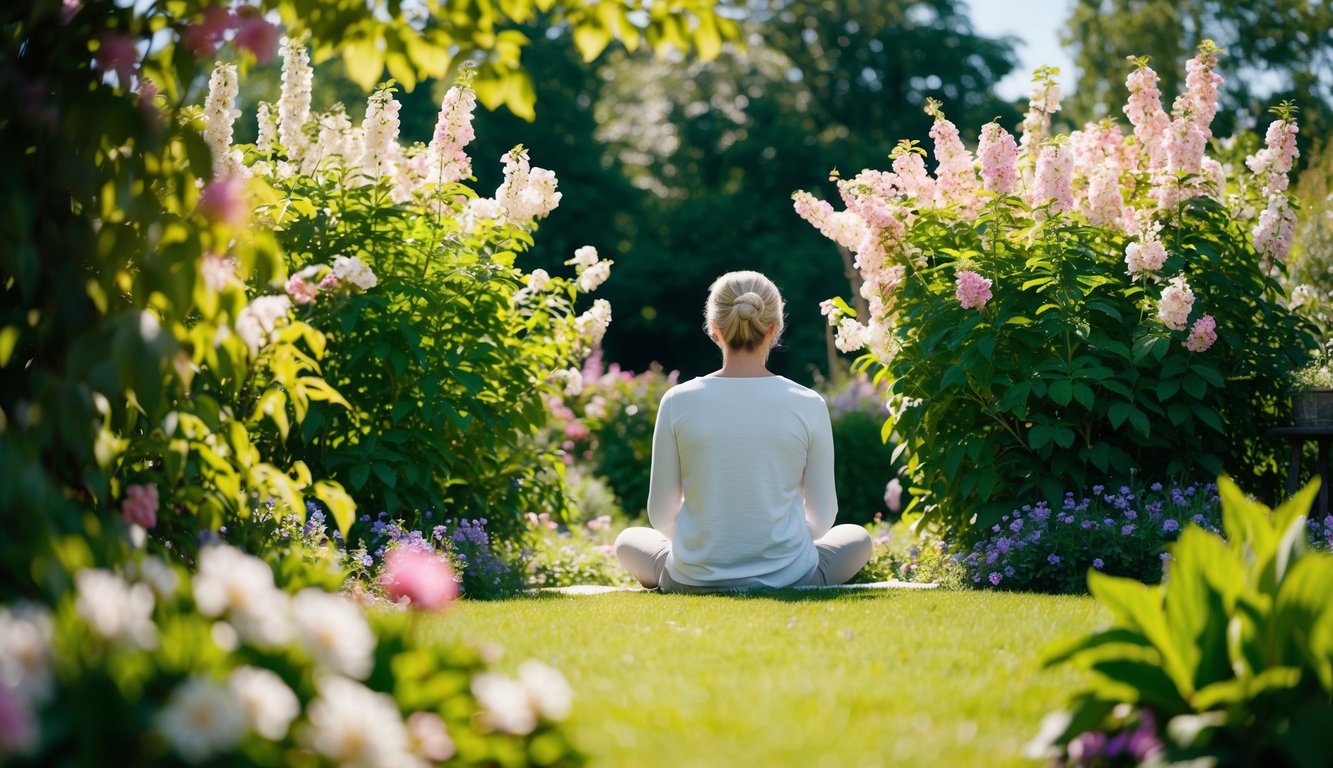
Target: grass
794,678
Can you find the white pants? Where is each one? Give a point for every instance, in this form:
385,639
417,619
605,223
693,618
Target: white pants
843,551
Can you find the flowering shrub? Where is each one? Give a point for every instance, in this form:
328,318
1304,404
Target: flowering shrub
1122,532
443,349
903,553
156,666
1229,662
602,424
580,554
1083,307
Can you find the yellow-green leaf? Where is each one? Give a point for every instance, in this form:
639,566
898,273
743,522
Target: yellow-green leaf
340,505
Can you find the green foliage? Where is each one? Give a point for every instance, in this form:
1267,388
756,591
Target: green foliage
904,552
863,462
1066,377
1233,656
581,554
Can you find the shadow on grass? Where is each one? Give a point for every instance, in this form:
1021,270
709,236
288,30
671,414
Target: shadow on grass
784,595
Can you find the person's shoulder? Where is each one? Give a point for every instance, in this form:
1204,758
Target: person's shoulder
801,391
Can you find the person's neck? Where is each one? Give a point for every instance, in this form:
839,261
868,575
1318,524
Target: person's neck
742,364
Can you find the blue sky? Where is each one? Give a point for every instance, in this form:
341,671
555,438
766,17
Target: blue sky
1036,23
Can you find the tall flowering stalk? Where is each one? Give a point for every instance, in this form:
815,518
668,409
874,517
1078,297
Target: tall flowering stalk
294,105
1117,285
220,115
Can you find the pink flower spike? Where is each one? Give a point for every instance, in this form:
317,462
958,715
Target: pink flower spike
223,201
424,578
973,290
140,506
1202,335
256,34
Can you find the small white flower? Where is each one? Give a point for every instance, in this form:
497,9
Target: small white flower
547,689
25,652
505,704
355,726
115,609
592,277
354,271
230,581
269,705
335,631
538,280
202,719
154,572
584,258
258,322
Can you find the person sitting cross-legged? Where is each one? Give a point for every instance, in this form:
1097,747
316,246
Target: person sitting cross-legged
741,493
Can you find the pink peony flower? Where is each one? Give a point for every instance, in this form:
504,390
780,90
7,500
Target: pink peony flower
973,290
424,578
140,506
1202,335
116,53
223,201
256,34
1147,255
203,38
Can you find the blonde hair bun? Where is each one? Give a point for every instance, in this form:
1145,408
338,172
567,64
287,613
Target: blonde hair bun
747,304
743,307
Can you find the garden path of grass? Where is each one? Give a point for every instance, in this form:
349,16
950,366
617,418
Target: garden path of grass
872,678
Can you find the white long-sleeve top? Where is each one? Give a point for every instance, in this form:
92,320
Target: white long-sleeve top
742,480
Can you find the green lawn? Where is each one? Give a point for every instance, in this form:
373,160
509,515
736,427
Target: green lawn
835,679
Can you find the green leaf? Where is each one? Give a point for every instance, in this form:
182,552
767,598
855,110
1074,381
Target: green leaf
1062,391
1167,389
1195,386
1117,413
385,474
363,60
591,38
339,504
1139,421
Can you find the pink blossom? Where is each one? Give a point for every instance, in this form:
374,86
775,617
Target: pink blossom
1054,180
955,180
223,201
116,53
1144,110
577,430
453,132
998,153
1201,88
140,506
1275,230
893,495
1202,335
203,38
913,179
424,578
1146,255
301,291
1274,161
1105,206
973,290
1173,309
1185,143
256,34
429,737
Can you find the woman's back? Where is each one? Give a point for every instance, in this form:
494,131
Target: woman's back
753,460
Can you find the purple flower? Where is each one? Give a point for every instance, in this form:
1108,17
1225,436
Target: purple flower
1155,487
1170,525
1053,559
1127,529
1097,563
1009,571
1086,524
1098,488
995,578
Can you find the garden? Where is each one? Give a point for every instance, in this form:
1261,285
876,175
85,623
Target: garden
316,430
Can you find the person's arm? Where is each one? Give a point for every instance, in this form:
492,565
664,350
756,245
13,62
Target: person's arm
821,494
664,486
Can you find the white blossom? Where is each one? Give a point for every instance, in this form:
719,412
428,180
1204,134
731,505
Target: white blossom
593,324
220,115
258,322
241,586
202,719
584,258
547,689
379,134
25,652
335,632
355,726
592,277
505,703
294,104
154,572
351,269
526,193
116,609
269,705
